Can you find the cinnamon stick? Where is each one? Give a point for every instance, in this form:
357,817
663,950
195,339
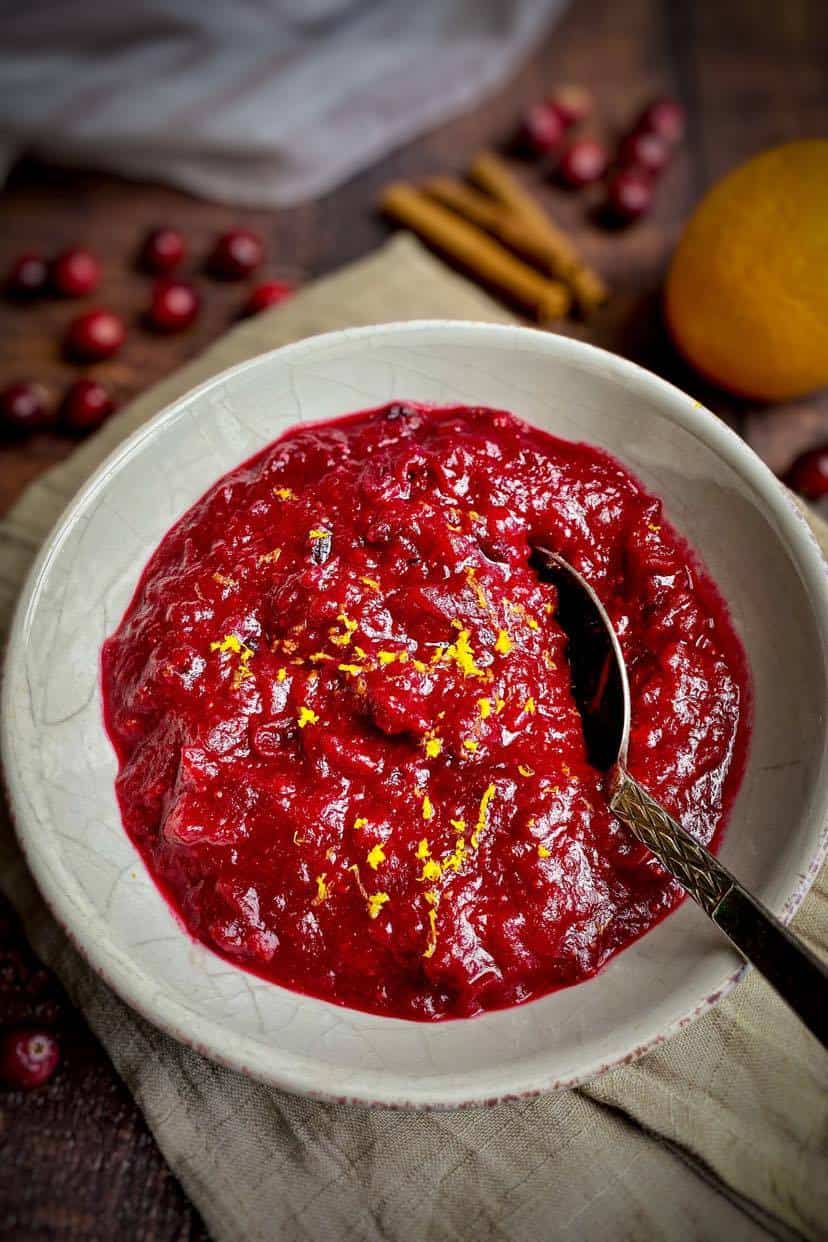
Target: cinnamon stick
480,254
550,246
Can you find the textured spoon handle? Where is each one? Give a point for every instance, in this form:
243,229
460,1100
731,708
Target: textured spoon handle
791,968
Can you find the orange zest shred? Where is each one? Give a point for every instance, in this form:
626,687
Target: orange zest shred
428,808
371,582
462,654
270,558
470,744
284,493
342,639
432,870
503,643
482,817
322,890
375,903
376,856
454,861
543,852
306,716
433,746
432,930
525,770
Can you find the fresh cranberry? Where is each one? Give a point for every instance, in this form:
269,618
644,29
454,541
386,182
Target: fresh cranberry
665,117
94,335
647,151
28,1057
27,276
236,254
809,473
163,250
583,162
76,273
629,194
270,293
86,404
174,306
571,103
23,409
542,130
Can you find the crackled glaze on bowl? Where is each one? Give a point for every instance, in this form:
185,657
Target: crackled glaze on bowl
60,767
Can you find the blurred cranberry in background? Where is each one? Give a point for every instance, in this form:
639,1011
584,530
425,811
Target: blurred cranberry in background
269,293
808,474
174,306
162,250
583,162
647,151
85,406
95,335
27,276
542,130
629,195
29,1057
665,117
75,273
572,104
236,254
23,410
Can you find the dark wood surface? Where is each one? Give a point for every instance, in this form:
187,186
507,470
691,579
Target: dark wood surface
76,1159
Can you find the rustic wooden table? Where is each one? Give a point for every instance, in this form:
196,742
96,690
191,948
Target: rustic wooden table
76,1159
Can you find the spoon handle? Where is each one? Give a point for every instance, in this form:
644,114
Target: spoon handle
789,966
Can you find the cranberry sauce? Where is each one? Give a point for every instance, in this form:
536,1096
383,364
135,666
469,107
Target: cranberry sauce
349,753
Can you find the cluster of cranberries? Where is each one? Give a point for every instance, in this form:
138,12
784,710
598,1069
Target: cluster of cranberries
99,333
642,154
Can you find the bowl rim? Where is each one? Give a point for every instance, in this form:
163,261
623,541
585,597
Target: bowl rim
302,1075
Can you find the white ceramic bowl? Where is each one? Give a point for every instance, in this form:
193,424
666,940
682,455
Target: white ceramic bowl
60,766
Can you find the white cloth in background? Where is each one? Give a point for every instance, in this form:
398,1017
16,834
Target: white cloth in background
258,102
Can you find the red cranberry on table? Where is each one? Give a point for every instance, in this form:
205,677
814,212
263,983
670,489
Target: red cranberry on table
86,404
236,254
162,250
542,130
29,1057
27,276
269,293
75,273
95,335
583,162
174,306
23,409
647,151
665,117
571,103
629,195
809,473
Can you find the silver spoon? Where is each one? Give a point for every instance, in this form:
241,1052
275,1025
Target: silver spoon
602,694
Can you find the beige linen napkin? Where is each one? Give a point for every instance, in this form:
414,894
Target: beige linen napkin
719,1133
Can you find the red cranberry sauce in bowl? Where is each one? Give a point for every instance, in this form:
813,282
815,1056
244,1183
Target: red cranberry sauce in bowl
348,749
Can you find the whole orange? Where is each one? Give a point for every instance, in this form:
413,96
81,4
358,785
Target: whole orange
747,291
